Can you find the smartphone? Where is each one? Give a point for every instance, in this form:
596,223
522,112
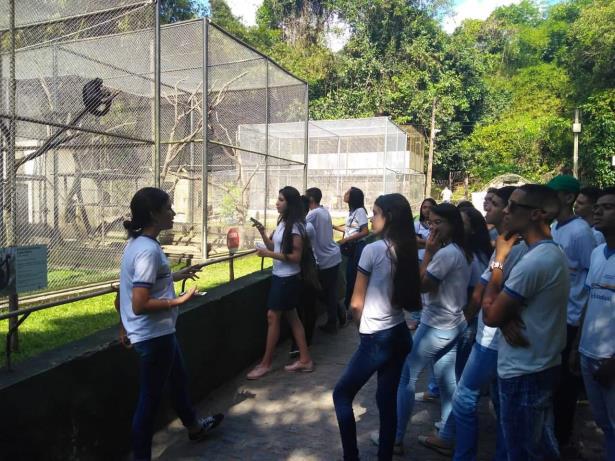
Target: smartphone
255,222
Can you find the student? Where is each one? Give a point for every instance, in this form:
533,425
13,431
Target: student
148,309
597,347
479,242
583,207
445,274
388,281
481,367
574,235
285,248
493,233
446,195
530,309
355,230
328,258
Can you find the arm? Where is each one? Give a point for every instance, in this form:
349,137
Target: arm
142,303
363,232
473,306
340,228
266,239
294,257
432,245
124,341
186,273
358,297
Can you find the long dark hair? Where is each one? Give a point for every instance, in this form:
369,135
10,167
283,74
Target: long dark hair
422,218
450,212
293,215
145,202
356,199
479,240
399,230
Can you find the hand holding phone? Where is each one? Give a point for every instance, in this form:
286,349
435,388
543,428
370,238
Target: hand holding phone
257,224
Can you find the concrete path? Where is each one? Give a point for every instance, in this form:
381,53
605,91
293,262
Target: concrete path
290,417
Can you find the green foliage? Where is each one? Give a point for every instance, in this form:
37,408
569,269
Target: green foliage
180,10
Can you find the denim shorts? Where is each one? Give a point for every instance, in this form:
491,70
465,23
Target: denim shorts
285,293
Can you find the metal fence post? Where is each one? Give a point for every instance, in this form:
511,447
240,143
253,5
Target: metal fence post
307,136
204,174
157,96
384,156
266,140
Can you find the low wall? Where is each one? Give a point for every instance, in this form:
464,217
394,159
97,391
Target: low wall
76,402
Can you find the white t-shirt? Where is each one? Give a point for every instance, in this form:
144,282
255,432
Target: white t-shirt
477,268
597,339
490,336
577,240
598,236
326,251
145,265
421,230
443,308
378,313
540,281
355,221
284,268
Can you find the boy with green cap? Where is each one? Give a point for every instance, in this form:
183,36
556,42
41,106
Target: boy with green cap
574,235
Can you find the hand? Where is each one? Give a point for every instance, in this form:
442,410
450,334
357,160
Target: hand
124,341
503,245
258,225
341,242
263,252
187,273
605,374
513,332
186,296
433,242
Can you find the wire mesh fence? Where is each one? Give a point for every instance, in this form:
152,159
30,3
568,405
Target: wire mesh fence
84,124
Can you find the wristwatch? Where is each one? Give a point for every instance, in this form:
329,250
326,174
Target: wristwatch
496,265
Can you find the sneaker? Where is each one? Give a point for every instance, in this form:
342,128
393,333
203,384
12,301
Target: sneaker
206,426
302,367
258,372
329,329
398,447
437,444
425,397
437,425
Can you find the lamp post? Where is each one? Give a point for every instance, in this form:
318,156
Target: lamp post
576,129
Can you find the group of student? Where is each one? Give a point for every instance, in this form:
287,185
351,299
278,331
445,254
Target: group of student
520,302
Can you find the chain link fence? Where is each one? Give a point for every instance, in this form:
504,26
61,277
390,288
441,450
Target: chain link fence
97,100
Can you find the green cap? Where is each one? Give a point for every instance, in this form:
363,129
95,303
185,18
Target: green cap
565,183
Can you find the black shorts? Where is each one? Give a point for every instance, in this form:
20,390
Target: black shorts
285,292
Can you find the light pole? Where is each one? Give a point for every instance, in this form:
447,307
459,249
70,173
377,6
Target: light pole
576,129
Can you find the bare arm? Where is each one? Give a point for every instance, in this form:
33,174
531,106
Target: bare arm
142,303
473,307
357,301
294,257
363,232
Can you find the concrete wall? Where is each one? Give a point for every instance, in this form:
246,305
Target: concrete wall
77,402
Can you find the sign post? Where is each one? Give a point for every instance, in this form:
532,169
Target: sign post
232,243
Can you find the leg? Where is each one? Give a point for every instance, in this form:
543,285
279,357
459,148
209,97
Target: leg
602,403
567,394
273,335
500,445
178,386
299,335
480,369
360,368
155,360
464,346
328,282
388,381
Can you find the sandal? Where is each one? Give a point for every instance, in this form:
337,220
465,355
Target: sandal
302,367
258,372
433,442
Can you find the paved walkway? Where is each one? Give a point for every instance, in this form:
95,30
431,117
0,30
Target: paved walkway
290,417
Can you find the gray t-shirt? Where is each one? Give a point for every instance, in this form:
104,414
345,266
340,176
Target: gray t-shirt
597,339
355,221
326,251
377,262
443,309
540,280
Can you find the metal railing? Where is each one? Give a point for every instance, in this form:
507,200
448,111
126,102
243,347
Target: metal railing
21,314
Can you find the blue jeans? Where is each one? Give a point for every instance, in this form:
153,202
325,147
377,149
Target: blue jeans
526,415
464,346
439,347
480,370
383,352
602,402
160,363
352,262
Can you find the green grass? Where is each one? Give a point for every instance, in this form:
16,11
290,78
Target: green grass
51,328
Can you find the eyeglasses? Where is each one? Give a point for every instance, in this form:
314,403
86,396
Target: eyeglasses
512,206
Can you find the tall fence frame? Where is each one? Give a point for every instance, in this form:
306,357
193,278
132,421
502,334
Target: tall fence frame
86,25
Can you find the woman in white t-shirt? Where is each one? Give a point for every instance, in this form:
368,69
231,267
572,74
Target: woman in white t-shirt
285,247
387,282
355,230
148,310
445,274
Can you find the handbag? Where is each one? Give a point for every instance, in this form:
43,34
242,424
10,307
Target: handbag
309,271
347,249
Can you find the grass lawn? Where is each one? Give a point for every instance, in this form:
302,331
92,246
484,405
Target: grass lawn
51,328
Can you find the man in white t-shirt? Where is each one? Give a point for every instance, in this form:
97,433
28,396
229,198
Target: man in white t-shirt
574,235
447,194
597,346
530,307
584,207
328,258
